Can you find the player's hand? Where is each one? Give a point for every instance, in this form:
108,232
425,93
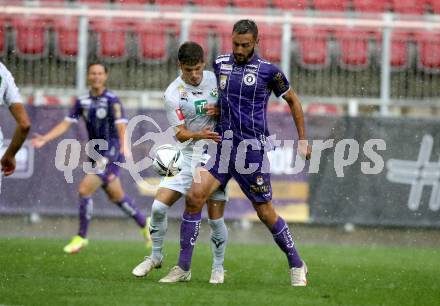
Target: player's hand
212,110
207,133
304,149
38,141
7,164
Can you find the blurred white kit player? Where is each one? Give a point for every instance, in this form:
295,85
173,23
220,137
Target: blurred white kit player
10,97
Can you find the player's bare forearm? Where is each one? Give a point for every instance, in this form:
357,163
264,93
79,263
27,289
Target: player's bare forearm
297,113
40,140
21,131
183,134
122,138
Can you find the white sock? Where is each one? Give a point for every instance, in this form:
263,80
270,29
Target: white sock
219,239
158,228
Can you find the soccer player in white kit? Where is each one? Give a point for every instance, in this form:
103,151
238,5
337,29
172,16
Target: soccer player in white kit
190,106
10,97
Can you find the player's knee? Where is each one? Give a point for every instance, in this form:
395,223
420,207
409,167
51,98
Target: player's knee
83,191
194,200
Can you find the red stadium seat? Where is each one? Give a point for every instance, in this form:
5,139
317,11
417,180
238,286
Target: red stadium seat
94,1
211,3
249,4
428,47
270,42
331,5
112,38
132,2
290,4
399,49
370,6
313,46
199,32
435,5
411,7
66,32
353,48
2,36
171,2
30,36
152,41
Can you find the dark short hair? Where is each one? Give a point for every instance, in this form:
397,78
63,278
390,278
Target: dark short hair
97,63
245,26
190,53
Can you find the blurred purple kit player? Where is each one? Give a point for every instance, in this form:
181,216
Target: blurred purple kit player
105,120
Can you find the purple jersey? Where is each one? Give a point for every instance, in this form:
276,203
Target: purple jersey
244,91
101,114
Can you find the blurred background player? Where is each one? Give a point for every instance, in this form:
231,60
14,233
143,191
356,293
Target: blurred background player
10,97
105,119
245,82
190,105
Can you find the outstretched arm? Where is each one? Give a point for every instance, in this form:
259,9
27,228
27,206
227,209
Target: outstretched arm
23,126
298,117
40,140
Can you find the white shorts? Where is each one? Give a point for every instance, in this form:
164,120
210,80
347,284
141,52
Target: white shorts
183,180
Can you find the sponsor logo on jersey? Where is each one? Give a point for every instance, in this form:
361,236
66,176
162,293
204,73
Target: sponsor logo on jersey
197,93
214,93
280,81
222,59
249,79
263,189
223,80
226,67
85,102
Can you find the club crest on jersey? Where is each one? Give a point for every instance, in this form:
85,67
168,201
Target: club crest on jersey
101,113
183,94
249,79
259,180
223,80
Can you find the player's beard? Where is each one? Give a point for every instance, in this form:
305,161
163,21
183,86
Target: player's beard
244,59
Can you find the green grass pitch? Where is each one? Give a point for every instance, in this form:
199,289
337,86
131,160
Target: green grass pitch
36,272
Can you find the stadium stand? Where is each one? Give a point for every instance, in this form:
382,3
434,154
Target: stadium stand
353,48
399,49
331,5
290,4
313,46
30,36
413,7
66,32
152,41
112,38
428,46
370,6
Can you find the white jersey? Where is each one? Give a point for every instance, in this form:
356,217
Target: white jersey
184,104
8,91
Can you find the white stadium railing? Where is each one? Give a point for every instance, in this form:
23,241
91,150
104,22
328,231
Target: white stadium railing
373,82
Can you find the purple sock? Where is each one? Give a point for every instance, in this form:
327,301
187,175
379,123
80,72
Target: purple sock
189,231
127,206
283,237
85,215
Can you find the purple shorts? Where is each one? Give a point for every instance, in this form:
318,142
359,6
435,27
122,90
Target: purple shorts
251,171
110,173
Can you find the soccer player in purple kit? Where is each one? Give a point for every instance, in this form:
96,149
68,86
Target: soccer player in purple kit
245,82
105,119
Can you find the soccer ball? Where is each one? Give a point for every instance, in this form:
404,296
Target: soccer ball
167,160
